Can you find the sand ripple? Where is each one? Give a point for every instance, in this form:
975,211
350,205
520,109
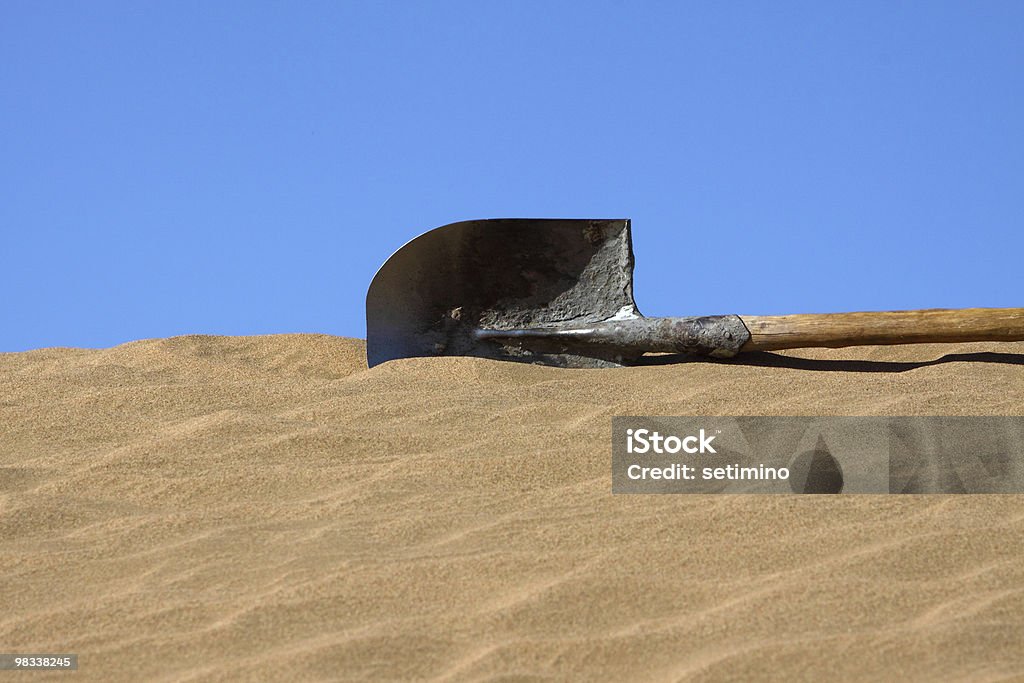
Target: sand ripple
265,508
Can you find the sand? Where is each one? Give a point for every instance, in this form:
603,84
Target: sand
266,508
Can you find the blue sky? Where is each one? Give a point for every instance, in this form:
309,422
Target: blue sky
244,167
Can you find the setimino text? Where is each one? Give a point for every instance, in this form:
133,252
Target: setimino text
644,441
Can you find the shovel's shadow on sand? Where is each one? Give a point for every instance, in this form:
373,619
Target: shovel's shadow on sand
766,359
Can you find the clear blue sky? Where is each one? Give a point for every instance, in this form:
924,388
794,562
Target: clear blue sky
245,167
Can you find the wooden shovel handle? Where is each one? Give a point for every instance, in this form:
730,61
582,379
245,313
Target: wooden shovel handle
772,332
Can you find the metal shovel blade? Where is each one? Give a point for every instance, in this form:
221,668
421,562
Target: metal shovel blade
436,294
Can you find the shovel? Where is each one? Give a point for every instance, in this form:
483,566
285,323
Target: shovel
560,292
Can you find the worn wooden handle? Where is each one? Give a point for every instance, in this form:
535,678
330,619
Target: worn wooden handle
772,332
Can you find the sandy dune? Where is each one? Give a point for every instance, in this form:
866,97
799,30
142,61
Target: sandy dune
265,508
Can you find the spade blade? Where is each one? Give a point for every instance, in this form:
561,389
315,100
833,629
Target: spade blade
432,295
